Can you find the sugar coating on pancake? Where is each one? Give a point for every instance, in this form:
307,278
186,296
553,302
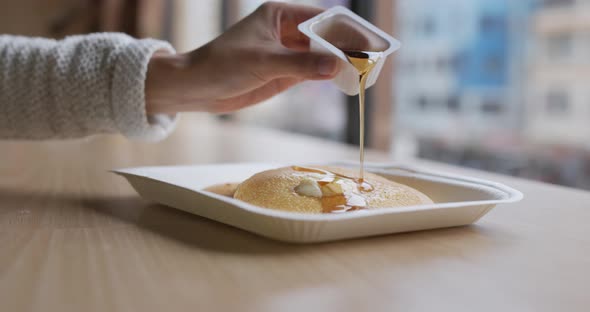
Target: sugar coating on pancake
276,189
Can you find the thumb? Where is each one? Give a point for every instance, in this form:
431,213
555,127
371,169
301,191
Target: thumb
304,65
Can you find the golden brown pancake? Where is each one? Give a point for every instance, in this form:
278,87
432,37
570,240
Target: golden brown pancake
325,190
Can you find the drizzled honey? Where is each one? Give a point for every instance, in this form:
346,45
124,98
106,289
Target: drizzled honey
344,199
343,202
364,62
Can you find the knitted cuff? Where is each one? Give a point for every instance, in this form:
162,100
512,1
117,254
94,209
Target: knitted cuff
128,92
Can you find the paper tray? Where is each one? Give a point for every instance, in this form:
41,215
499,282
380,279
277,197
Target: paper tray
457,200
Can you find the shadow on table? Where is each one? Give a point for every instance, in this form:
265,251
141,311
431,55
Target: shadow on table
203,233
184,227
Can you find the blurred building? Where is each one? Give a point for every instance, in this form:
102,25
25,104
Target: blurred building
558,97
459,71
497,85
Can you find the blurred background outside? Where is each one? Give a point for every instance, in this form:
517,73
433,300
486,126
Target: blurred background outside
498,85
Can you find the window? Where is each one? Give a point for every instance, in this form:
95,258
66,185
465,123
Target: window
491,107
428,27
559,46
557,103
409,66
440,64
489,23
457,62
422,103
453,103
493,65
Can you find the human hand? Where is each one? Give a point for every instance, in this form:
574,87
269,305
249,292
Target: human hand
259,57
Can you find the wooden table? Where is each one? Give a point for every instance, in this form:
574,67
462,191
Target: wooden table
74,237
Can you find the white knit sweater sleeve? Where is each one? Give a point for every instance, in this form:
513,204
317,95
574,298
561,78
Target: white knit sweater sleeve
76,87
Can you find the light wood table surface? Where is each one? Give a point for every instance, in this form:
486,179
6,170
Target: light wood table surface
74,237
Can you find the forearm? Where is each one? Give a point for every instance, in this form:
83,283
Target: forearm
181,82
79,86
165,72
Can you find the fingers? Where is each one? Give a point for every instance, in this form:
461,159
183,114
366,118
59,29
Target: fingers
280,12
290,18
233,103
260,94
302,65
283,19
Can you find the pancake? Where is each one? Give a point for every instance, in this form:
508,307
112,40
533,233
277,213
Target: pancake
325,190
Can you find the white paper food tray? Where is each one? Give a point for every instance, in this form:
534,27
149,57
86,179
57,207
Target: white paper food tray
457,200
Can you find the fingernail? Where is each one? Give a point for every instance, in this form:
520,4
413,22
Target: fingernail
327,65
